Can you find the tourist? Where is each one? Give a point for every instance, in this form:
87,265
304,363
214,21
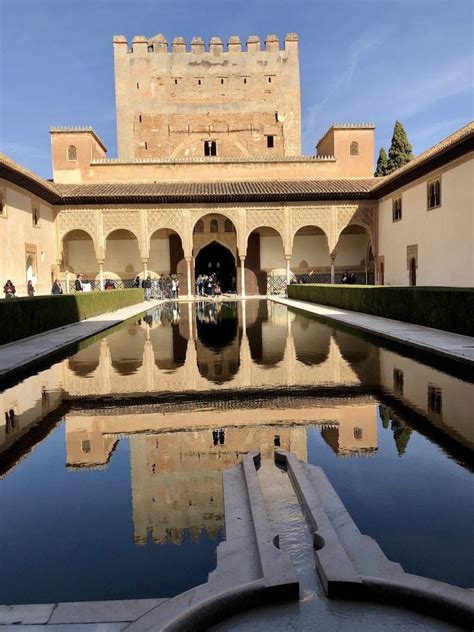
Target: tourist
57,287
30,288
352,278
345,277
137,282
210,286
177,287
9,289
162,287
109,285
156,288
169,288
87,286
147,286
78,283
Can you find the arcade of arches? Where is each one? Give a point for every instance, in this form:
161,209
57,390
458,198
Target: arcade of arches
249,249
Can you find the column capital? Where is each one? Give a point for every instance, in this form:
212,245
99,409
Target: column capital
333,256
288,257
242,257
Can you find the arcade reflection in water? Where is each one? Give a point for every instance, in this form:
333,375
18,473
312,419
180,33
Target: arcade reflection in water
193,387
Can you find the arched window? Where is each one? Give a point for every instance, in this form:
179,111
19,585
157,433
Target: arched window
72,152
199,227
214,226
354,148
228,226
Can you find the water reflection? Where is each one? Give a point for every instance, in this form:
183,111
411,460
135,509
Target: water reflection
183,393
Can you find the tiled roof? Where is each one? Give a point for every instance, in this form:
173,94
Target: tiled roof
429,158
14,172
216,191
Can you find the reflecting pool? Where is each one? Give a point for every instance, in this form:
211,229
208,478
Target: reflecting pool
111,459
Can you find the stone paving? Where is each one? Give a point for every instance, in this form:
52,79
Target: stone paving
443,343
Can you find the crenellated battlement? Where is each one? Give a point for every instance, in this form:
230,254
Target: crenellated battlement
158,44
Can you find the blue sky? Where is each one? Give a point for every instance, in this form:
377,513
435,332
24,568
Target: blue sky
361,61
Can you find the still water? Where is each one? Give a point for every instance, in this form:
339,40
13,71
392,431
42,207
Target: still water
111,459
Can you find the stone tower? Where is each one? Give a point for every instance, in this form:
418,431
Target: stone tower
201,103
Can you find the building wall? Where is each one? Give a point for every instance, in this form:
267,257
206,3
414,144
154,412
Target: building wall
20,239
169,103
444,236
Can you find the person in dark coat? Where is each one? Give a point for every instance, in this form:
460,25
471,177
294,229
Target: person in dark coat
78,283
57,287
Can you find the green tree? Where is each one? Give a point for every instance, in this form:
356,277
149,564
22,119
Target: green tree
382,164
385,414
400,151
401,434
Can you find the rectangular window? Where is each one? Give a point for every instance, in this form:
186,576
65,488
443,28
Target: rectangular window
397,209
435,399
210,148
35,215
146,145
139,118
138,86
398,381
245,79
3,203
270,142
434,193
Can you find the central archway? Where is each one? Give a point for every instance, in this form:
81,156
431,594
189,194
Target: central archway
217,259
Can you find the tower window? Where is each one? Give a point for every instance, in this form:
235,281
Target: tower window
222,81
354,148
270,142
210,148
199,82
139,118
175,82
35,216
269,79
214,225
245,79
435,399
72,152
138,86
146,145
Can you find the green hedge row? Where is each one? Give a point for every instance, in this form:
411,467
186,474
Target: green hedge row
23,317
450,309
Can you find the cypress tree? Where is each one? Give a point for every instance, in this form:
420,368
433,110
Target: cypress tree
382,164
400,151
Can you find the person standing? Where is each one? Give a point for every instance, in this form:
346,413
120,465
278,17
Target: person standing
9,289
147,286
30,288
57,287
162,287
78,283
137,283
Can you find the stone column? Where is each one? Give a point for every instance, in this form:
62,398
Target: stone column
288,272
145,267
242,277
333,267
67,282
189,277
101,275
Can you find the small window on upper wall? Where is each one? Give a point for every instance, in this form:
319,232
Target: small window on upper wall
199,227
214,225
72,152
35,215
397,209
228,226
354,148
210,148
398,381
435,400
139,118
270,142
434,193
86,446
3,204
245,79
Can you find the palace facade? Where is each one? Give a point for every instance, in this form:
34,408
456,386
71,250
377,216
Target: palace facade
210,178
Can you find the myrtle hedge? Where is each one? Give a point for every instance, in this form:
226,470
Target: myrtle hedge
27,316
450,309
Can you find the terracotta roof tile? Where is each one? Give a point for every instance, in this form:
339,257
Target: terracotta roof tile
221,191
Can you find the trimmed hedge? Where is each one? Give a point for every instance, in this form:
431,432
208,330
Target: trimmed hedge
27,316
449,309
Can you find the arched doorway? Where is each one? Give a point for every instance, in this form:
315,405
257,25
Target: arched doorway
353,254
78,254
217,259
122,257
413,271
310,259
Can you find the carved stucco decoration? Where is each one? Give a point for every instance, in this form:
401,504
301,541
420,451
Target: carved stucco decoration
320,216
273,218
166,218
78,219
355,214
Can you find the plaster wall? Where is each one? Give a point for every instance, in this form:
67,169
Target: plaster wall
19,238
81,259
122,259
352,250
159,261
457,396
272,256
310,248
444,235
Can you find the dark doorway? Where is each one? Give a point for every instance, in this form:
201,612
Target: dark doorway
217,259
413,272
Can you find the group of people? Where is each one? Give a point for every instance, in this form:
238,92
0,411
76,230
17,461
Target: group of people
160,288
9,289
208,285
349,278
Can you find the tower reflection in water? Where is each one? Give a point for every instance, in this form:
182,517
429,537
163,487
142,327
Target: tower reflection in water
194,387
